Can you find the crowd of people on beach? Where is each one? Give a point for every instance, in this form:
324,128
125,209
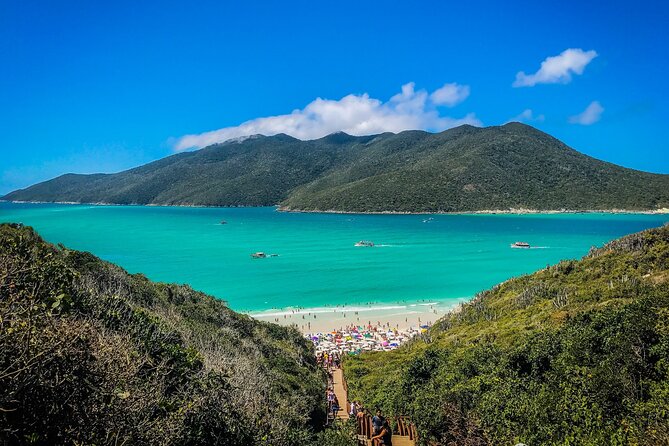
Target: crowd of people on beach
302,319
354,339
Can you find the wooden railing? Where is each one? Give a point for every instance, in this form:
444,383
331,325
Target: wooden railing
365,429
406,428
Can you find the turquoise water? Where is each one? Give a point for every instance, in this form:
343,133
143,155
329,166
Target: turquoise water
444,259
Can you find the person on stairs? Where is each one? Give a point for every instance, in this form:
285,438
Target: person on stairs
335,406
377,422
385,436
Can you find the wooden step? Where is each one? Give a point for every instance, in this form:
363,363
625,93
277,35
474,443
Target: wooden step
398,440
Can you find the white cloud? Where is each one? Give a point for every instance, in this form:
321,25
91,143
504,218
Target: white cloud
450,94
527,115
353,114
557,69
590,115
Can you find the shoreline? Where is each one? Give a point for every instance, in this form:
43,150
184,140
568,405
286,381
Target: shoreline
278,208
327,319
513,211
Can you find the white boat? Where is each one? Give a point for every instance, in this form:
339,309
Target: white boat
365,243
259,255
520,245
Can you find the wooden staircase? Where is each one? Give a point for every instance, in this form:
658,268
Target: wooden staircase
342,394
404,432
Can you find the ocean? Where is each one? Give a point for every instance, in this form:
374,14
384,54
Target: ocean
417,259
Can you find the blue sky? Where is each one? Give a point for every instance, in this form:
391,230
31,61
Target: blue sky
104,86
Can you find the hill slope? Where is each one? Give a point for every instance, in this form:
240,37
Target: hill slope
462,169
471,169
92,355
258,171
577,353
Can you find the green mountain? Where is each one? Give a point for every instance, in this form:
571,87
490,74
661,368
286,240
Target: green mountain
462,169
92,355
574,354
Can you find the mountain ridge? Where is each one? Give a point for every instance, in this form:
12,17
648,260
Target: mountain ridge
464,169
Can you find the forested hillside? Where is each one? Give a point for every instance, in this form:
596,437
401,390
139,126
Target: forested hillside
463,169
575,354
92,355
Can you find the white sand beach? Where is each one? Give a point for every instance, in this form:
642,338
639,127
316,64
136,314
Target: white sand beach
392,315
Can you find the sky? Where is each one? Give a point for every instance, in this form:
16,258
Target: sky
104,86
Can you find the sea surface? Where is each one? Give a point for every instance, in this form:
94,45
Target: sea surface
417,259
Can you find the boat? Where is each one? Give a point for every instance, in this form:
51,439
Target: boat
223,222
365,243
259,255
520,245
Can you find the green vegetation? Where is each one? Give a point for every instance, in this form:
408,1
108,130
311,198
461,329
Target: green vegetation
341,433
463,169
258,171
575,354
92,355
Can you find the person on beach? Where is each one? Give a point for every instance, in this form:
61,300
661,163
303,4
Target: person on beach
385,435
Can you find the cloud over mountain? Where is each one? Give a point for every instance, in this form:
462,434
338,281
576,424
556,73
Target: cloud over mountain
527,115
590,115
557,69
450,94
410,109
